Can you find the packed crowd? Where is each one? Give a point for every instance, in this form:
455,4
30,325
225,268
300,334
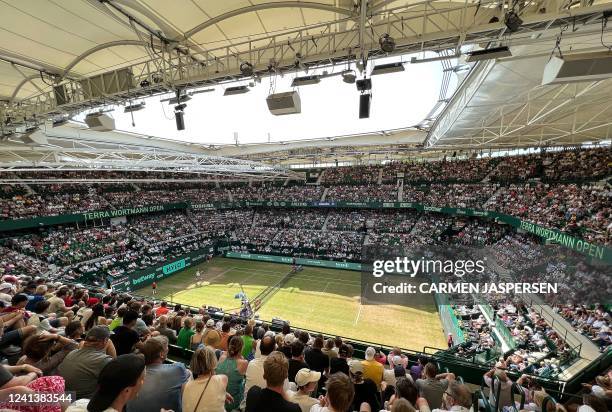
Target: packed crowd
111,352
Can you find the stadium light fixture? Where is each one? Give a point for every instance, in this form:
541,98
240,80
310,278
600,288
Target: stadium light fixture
513,21
349,77
488,54
134,107
387,68
387,43
306,80
246,68
231,91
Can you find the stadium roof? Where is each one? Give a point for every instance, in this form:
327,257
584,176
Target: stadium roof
198,43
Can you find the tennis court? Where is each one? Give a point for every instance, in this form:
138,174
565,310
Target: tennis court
319,299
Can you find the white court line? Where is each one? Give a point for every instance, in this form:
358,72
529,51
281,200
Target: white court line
219,275
358,313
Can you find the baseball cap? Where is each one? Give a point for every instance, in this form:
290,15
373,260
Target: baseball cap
6,286
355,366
210,323
98,333
305,376
118,374
369,353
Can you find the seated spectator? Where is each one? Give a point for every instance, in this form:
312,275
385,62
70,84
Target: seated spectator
432,386
499,383
405,389
124,337
233,365
306,381
402,405
457,397
296,362
365,389
271,398
207,392
119,382
46,351
163,329
75,331
184,336
372,369
164,383
315,358
340,363
81,368
255,369
197,338
339,396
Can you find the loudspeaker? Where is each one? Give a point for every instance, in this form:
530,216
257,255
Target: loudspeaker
364,105
100,122
60,95
180,120
284,103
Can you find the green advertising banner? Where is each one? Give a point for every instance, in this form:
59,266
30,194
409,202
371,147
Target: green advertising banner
8,225
289,260
145,277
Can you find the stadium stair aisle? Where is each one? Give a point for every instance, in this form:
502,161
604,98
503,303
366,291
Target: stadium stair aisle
320,178
380,177
506,346
400,190
324,195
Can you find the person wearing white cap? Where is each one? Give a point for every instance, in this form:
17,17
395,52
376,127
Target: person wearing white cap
306,381
371,368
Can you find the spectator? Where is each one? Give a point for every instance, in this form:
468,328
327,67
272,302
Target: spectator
197,338
499,383
164,383
432,386
81,368
340,364
185,334
372,369
247,340
162,309
163,329
255,370
315,358
416,370
46,351
119,382
306,381
207,392
124,337
272,397
233,365
402,405
457,397
297,360
339,396
365,389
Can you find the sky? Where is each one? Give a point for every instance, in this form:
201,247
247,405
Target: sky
330,108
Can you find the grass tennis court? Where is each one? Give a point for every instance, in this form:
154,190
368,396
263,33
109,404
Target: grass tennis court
325,300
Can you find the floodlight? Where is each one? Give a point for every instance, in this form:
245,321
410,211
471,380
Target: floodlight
387,68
